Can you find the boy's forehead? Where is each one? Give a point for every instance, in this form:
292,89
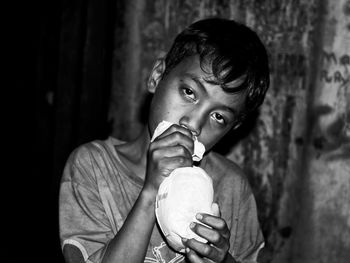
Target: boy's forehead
192,66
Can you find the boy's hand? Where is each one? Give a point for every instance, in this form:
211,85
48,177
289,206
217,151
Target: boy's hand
218,239
171,150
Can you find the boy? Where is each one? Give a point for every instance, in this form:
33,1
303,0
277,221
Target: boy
215,74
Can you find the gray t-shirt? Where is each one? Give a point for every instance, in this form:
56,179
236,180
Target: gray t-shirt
97,192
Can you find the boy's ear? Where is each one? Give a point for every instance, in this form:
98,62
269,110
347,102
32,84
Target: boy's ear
156,74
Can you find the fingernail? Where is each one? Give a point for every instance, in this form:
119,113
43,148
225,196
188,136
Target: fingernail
192,225
199,216
187,250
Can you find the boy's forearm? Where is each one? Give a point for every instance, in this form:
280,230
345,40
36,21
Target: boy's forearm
131,242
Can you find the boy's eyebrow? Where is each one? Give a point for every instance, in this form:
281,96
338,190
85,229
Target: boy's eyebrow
233,84
196,80
233,111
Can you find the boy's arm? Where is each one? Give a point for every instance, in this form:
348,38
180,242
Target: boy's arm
131,242
85,229
169,151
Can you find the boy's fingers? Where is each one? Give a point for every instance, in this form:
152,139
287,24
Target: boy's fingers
217,223
173,139
171,163
195,250
171,151
192,256
174,128
213,221
215,209
216,237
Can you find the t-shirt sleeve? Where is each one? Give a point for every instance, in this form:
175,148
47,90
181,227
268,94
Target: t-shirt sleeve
82,218
248,238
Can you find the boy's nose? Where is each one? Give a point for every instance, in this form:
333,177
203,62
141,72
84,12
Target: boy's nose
192,123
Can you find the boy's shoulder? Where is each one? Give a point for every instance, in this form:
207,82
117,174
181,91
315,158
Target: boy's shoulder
224,171
222,164
93,149
93,162
86,157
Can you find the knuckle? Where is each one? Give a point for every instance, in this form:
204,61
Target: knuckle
216,237
189,133
221,224
190,243
191,257
177,135
173,126
182,150
207,250
182,160
154,153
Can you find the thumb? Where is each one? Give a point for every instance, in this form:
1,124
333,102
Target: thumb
215,209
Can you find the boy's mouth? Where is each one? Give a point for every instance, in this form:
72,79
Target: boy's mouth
199,148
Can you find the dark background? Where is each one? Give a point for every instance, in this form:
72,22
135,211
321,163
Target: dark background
46,122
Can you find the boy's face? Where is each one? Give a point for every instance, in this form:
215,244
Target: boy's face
186,97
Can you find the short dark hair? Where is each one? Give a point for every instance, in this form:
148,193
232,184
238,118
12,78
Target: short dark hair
232,49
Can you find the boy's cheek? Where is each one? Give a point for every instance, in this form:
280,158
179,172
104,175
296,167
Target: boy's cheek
210,139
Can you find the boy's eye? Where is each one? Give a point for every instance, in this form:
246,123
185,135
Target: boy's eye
218,118
188,93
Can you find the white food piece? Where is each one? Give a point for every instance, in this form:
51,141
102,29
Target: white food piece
198,149
184,193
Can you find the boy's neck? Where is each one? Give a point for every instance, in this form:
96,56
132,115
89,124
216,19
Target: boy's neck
134,153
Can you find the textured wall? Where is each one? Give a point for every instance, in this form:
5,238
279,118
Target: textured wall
270,155
297,153
323,231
